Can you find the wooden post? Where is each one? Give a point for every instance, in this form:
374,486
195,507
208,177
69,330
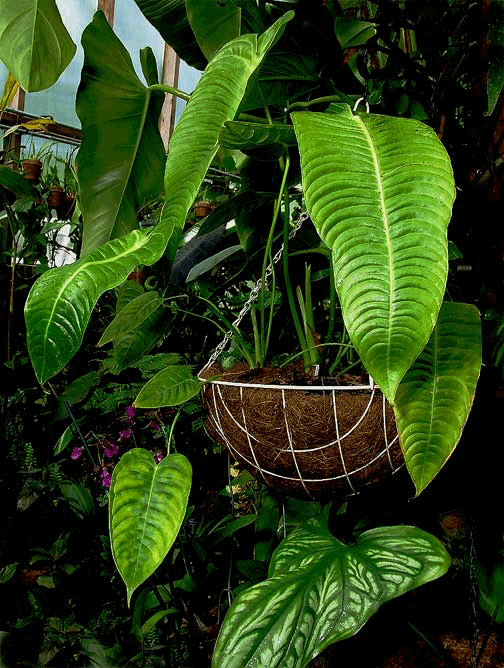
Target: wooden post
12,144
171,65
107,6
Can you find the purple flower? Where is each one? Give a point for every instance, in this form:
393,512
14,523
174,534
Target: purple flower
125,434
158,456
111,449
156,426
130,411
76,453
106,477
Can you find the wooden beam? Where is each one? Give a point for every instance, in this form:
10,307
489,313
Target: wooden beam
12,143
107,6
171,65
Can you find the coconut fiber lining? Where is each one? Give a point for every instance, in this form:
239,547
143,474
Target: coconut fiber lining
307,443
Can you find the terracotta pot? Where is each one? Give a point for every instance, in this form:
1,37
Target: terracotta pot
32,170
202,209
55,198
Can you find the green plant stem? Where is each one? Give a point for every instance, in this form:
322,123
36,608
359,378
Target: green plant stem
172,427
165,88
317,100
332,303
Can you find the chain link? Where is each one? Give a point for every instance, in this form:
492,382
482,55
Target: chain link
254,293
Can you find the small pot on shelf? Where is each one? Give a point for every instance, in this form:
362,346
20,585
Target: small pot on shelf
202,208
32,170
55,198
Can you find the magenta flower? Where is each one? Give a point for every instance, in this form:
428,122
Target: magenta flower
106,477
76,453
156,426
111,449
158,456
130,414
125,434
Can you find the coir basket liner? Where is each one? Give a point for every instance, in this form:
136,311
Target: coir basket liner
307,440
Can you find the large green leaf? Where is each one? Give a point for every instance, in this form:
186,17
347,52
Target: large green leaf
435,396
239,135
121,160
131,316
34,43
320,591
131,346
213,23
170,387
146,509
380,192
60,303
169,17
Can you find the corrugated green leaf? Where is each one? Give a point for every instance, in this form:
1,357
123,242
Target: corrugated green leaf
60,303
320,591
380,191
240,135
435,396
121,160
34,43
213,23
146,509
131,316
169,387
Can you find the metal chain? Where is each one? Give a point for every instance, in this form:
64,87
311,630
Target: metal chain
254,293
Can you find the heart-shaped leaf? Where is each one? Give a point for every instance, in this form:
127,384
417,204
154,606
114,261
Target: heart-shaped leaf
60,303
213,23
320,591
380,191
146,509
34,43
435,396
169,387
121,160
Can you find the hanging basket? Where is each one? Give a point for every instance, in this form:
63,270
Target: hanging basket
309,440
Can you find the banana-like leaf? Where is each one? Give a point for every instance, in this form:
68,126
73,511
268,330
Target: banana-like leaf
380,191
146,509
60,303
121,160
320,591
131,316
435,396
169,17
170,387
239,135
213,23
34,43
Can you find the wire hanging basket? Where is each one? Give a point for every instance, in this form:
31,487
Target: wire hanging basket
309,439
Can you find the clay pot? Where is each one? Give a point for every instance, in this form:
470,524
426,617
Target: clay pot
55,198
32,170
202,209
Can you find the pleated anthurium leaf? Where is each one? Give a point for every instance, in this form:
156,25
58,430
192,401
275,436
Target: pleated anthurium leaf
60,303
146,509
320,591
170,387
380,191
435,396
34,43
121,160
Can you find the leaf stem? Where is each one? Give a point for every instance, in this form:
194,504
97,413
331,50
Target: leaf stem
165,88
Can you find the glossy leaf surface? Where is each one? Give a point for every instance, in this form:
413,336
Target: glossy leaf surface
169,387
60,303
146,509
320,591
121,160
131,316
34,43
380,191
213,23
435,396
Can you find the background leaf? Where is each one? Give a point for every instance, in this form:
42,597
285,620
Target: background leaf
213,23
146,509
121,160
380,191
239,135
495,53
320,591
131,316
34,43
60,303
435,396
169,387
